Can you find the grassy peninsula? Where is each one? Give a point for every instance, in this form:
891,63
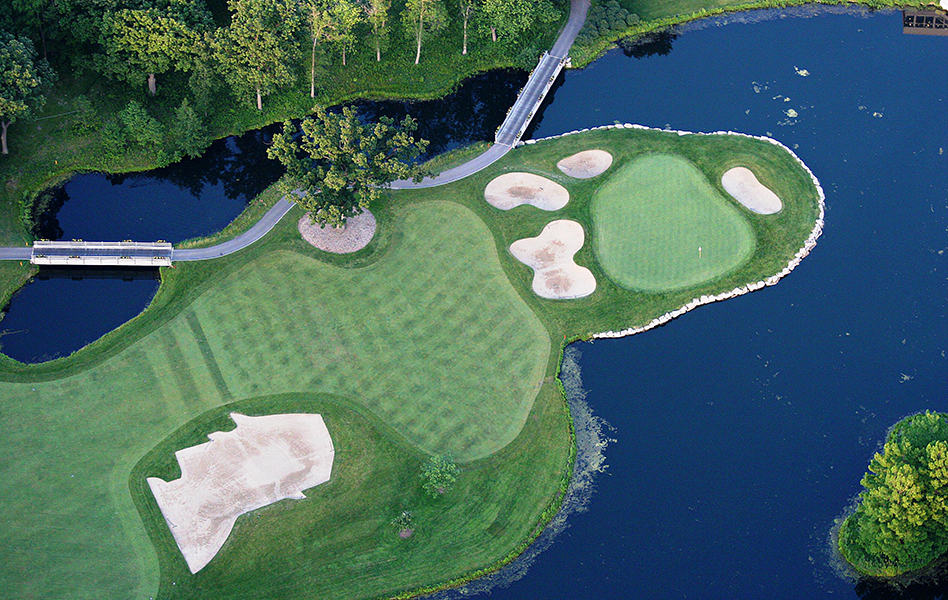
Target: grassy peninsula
430,340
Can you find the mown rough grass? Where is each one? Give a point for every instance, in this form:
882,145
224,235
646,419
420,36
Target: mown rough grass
660,226
339,542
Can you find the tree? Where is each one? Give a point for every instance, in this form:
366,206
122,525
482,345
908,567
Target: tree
341,165
257,50
438,475
141,127
510,18
152,40
23,82
376,12
467,8
901,523
423,16
332,22
187,131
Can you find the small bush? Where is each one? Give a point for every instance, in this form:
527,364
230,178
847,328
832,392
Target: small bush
605,20
439,474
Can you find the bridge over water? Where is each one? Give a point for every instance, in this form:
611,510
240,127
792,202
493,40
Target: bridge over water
162,254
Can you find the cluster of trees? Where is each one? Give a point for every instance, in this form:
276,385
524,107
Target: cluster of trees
605,20
901,523
252,49
137,41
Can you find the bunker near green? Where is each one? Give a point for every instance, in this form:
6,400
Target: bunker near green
660,226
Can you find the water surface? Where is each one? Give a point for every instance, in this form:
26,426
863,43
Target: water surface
743,428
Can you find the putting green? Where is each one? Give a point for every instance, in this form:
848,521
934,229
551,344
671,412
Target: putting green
660,226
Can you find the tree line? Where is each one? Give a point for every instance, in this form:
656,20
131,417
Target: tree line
255,50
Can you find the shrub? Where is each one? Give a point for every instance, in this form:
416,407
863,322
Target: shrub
439,474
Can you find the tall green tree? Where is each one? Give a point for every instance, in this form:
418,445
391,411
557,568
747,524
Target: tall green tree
467,9
152,40
423,16
340,165
376,13
259,47
507,19
187,131
24,79
901,523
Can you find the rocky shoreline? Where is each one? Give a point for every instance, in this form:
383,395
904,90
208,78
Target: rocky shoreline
802,253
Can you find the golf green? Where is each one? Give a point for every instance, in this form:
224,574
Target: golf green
660,226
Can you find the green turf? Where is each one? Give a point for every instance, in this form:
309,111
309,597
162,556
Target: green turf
660,226
339,542
431,337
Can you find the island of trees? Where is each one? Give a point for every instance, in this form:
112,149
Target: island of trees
901,523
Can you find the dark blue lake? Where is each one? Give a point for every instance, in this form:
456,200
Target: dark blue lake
743,428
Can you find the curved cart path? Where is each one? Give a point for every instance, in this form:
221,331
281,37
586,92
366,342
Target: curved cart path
510,130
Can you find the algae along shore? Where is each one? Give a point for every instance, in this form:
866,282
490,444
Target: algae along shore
432,340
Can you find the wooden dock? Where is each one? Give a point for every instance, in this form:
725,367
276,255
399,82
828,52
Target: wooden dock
917,22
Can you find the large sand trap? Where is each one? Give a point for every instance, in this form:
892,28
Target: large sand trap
354,235
586,164
550,255
261,461
513,189
741,183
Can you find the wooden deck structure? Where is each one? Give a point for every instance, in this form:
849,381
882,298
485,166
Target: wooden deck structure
918,22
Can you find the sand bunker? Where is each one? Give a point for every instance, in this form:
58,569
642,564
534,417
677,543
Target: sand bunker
550,255
741,183
263,460
513,189
586,164
354,235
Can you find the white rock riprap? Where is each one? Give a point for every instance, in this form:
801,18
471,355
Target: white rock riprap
802,253
513,189
555,274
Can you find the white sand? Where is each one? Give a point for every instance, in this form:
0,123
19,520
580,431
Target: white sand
741,183
550,255
513,189
263,460
354,235
586,164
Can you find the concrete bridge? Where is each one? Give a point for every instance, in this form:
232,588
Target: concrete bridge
101,254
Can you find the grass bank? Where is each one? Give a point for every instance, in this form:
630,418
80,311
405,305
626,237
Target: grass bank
430,339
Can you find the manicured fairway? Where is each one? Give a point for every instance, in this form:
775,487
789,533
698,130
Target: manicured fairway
431,338
660,226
